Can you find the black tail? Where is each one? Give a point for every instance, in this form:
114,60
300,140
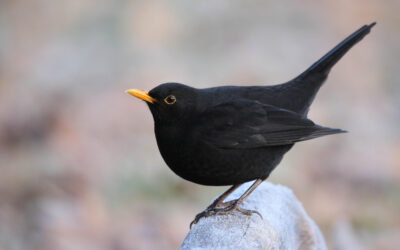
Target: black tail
322,67
311,80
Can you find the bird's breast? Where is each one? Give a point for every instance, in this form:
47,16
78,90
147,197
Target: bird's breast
171,143
184,151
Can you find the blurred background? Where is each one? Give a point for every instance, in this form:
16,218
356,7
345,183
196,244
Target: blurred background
80,168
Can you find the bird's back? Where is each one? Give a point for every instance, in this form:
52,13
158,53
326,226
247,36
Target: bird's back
287,96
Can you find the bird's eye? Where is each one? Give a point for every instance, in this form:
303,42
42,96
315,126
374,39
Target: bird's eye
171,99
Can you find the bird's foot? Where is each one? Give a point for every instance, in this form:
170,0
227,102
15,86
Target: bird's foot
234,205
224,208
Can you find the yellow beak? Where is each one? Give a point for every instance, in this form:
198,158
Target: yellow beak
141,95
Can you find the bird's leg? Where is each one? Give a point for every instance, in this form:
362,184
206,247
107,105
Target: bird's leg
229,206
222,197
233,205
211,208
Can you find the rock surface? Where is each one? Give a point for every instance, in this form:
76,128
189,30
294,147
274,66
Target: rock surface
285,224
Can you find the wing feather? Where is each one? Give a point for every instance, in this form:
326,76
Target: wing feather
251,124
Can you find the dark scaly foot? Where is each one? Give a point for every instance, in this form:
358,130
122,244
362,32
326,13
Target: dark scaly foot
213,209
227,208
205,213
234,205
218,202
230,206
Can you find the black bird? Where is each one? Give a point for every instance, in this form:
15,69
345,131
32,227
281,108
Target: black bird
232,134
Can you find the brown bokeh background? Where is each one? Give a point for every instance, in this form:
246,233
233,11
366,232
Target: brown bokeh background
79,164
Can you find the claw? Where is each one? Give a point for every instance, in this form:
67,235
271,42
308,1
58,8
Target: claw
249,212
213,209
206,213
228,208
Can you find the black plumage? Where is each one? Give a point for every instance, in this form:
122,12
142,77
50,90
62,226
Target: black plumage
233,134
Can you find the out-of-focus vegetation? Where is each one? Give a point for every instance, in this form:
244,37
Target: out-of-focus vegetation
79,164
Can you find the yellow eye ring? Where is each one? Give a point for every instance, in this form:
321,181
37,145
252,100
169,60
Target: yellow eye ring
171,99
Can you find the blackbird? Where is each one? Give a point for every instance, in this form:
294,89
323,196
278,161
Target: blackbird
229,135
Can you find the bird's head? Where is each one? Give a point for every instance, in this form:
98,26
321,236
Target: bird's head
168,102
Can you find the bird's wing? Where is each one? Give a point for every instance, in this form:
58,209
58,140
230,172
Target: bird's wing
251,124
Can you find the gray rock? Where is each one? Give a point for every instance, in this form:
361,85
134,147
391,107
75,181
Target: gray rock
285,224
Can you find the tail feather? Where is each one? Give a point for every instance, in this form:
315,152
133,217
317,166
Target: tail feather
304,87
324,65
